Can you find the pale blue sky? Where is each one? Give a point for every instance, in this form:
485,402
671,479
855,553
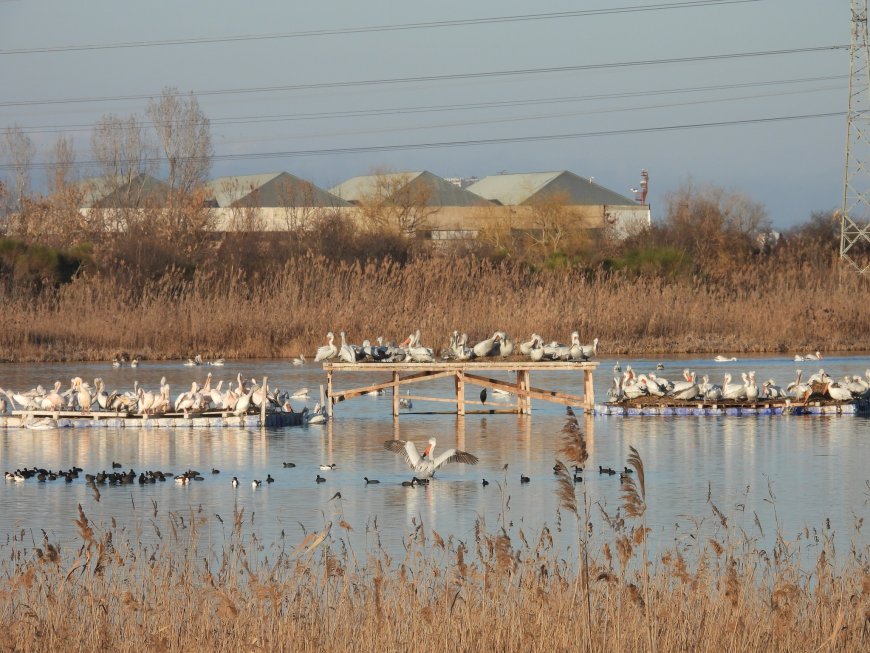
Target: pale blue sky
791,166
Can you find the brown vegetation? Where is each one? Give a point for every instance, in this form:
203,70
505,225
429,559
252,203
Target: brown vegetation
498,591
144,269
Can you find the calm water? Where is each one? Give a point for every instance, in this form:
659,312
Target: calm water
793,471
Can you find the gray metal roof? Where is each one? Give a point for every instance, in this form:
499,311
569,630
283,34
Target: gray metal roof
526,188
114,192
276,189
436,190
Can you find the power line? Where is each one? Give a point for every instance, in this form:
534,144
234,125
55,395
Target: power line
477,142
440,108
446,77
378,28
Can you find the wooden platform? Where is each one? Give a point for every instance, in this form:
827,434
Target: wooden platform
770,407
101,419
462,373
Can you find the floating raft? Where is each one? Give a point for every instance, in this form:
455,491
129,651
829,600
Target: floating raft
212,419
781,407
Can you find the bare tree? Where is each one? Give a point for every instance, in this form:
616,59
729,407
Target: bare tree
184,134
123,152
554,225
396,202
19,151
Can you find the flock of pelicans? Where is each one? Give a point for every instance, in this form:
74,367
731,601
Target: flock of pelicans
410,350
628,385
238,399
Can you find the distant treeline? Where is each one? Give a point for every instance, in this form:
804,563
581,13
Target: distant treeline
708,275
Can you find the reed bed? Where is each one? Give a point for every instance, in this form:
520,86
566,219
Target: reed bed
500,590
235,314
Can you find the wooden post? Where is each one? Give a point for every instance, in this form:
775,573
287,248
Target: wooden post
264,401
459,382
395,393
328,403
322,396
588,391
520,398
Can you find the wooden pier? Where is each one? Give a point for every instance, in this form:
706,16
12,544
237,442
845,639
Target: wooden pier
462,373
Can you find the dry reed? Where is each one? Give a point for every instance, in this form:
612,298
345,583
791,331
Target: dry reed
236,315
111,591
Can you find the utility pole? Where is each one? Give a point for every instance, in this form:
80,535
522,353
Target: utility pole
855,214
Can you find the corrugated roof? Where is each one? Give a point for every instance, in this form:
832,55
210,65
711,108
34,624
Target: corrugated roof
278,189
436,190
526,188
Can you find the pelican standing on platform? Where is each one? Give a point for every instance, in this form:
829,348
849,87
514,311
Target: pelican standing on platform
426,465
328,350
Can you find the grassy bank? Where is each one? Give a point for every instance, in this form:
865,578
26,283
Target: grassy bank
282,313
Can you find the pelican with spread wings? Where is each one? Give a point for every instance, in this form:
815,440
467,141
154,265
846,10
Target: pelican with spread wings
425,466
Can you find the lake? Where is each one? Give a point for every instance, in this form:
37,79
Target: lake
791,472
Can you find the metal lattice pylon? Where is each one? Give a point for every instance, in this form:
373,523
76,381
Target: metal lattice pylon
855,215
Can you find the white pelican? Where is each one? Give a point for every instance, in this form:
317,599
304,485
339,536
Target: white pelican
588,351
187,400
837,393
485,347
536,353
134,362
116,362
751,387
798,389
685,389
190,363
526,347
52,400
813,357
218,362
316,416
773,391
614,393
243,403
505,345
417,352
576,350
346,353
328,350
426,465
724,359
301,393
651,386
299,360
732,390
82,394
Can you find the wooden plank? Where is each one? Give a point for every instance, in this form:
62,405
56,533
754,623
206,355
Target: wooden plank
511,366
395,393
342,395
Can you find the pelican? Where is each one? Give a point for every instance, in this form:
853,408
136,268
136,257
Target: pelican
461,351
796,388
773,391
300,360
837,393
346,353
416,351
685,389
798,358
813,357
82,394
134,362
536,353
505,345
328,350
53,400
712,392
526,347
614,393
588,351
485,347
301,393
732,390
243,403
426,465
576,350
751,387
724,359
218,362
116,362
316,416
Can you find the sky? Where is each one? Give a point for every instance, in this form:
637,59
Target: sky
747,95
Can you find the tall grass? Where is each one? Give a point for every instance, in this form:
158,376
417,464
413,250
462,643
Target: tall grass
498,591
240,315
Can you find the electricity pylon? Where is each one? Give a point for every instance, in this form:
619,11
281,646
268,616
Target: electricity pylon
855,214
